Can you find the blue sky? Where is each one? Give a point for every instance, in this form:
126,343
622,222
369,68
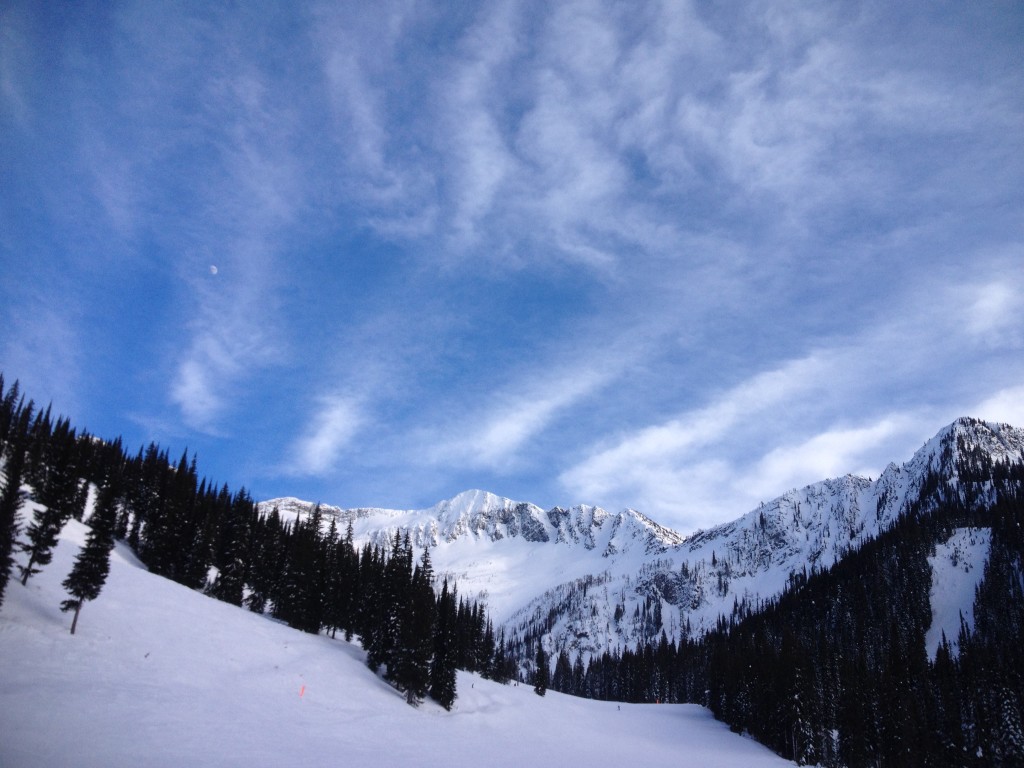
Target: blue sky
676,256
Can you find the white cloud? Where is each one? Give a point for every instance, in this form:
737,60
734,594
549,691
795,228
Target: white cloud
42,348
852,450
234,333
364,136
507,430
851,407
995,308
481,160
655,451
699,471
383,168
195,393
496,436
1006,406
242,194
15,53
331,429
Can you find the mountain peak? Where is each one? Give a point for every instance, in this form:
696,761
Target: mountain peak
999,440
472,502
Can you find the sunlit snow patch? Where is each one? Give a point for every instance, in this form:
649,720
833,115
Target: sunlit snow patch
957,569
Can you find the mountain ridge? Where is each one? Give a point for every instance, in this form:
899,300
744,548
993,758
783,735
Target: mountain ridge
588,580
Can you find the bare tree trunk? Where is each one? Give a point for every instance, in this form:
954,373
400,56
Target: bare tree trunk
28,571
74,621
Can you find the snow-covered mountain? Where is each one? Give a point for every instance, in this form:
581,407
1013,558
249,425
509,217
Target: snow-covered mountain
503,551
589,580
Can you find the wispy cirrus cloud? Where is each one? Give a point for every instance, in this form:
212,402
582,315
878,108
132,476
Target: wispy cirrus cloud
335,422
14,61
496,435
613,138
43,349
835,452
229,127
793,424
637,248
651,464
230,339
1005,406
378,158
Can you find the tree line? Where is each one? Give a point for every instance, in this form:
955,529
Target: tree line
303,572
835,672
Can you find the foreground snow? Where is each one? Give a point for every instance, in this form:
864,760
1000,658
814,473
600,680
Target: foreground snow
161,676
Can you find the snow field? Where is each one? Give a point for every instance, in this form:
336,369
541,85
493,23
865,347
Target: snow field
159,675
957,566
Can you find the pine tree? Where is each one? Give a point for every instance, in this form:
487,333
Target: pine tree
89,572
562,680
344,584
229,585
542,673
11,405
1009,746
10,502
42,536
503,663
443,664
59,490
372,606
415,648
395,598
486,649
11,497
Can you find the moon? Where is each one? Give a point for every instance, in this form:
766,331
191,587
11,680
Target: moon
213,269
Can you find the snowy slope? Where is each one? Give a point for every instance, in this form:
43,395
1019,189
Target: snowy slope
957,569
159,675
752,559
616,579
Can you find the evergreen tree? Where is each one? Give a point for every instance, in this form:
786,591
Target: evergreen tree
416,643
42,536
89,572
504,662
372,606
12,497
562,679
395,599
486,649
300,599
332,562
343,585
443,664
9,405
58,489
265,559
234,565
542,673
